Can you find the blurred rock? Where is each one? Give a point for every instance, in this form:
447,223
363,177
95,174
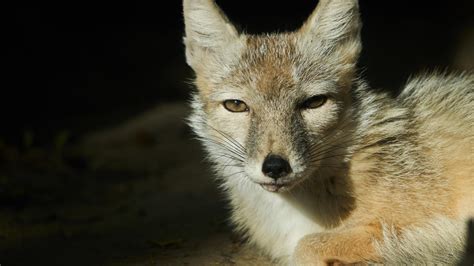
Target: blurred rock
150,143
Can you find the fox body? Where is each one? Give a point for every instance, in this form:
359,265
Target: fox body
318,168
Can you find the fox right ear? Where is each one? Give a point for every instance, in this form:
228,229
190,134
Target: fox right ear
208,30
334,27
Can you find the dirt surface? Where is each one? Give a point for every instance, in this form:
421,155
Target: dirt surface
136,194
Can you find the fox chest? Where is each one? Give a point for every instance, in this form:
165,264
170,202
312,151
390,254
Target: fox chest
271,222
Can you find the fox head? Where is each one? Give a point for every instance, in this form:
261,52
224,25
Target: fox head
268,107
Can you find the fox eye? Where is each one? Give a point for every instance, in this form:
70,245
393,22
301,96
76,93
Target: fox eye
235,106
315,102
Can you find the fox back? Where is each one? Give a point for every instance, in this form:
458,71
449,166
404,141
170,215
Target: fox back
312,159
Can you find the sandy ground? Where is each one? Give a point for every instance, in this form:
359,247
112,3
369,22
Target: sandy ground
137,194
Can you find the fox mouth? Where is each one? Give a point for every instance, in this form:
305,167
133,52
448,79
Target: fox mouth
276,187
282,185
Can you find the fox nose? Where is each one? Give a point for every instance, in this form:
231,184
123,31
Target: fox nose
275,166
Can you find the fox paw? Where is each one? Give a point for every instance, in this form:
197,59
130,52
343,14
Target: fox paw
311,250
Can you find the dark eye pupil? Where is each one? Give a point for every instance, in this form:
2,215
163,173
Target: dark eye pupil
235,106
315,102
236,103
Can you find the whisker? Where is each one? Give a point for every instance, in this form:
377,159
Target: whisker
227,148
226,136
226,164
230,145
328,157
227,143
231,151
233,174
228,156
317,150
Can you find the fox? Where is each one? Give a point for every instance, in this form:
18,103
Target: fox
318,168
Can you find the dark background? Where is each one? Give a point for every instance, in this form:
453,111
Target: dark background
97,166
73,60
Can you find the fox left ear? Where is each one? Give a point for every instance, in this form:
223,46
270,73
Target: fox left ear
208,31
333,29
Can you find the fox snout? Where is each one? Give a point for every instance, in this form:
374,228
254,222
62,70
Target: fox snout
275,166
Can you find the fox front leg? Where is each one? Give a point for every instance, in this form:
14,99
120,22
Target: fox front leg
353,246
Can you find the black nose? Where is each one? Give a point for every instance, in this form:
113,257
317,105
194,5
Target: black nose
275,166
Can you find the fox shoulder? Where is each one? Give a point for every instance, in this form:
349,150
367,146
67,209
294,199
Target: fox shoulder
440,94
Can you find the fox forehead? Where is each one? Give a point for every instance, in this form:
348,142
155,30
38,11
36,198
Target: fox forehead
269,67
271,58
273,65
267,64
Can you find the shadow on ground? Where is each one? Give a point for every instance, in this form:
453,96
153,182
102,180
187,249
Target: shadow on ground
137,194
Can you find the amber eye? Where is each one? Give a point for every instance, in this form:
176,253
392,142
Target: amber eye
315,102
235,106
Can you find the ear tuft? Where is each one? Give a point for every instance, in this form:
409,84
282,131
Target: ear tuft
334,26
207,29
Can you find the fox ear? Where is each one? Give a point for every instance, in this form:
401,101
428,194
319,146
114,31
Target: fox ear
207,30
334,27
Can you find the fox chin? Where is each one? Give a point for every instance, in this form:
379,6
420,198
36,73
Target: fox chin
319,169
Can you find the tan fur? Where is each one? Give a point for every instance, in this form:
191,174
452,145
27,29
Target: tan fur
374,179
347,246
276,71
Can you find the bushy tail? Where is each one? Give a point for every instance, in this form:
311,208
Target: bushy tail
442,241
